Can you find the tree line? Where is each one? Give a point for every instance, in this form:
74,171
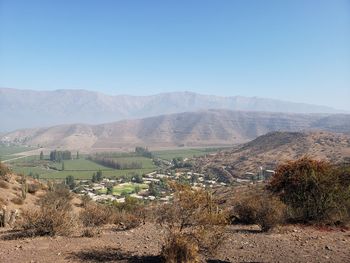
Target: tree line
115,164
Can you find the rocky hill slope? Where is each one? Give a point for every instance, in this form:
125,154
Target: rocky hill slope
269,150
203,128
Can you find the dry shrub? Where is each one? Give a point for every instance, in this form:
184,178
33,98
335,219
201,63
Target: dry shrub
4,185
33,188
85,200
96,215
126,220
180,248
54,217
2,202
4,172
91,232
315,191
195,214
17,201
260,208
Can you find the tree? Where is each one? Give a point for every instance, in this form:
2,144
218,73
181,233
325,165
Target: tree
138,179
110,189
97,177
137,189
153,189
70,181
41,155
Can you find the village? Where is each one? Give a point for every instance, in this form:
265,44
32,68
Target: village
150,187
153,186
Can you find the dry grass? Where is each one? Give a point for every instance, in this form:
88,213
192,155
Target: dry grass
4,185
180,248
17,201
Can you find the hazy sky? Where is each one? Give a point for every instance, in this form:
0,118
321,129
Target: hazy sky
292,50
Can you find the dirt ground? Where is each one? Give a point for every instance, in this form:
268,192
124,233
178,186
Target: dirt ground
143,244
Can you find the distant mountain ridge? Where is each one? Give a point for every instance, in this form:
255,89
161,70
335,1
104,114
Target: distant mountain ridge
29,109
191,129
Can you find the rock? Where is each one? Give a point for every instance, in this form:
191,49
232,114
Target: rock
327,247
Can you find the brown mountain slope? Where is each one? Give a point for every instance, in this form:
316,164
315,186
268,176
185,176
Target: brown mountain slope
271,149
204,128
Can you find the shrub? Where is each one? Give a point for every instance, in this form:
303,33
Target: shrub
4,171
33,188
17,201
3,184
180,248
54,217
192,213
126,220
90,232
96,215
314,190
260,208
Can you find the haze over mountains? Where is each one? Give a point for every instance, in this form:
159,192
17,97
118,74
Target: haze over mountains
202,128
29,109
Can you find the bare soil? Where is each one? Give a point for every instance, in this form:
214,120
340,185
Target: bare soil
241,244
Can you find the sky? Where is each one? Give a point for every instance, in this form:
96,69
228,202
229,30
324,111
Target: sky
293,50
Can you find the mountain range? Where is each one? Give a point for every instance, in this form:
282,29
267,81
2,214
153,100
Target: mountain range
32,109
190,129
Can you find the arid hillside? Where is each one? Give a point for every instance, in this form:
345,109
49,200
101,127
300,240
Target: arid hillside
274,148
203,128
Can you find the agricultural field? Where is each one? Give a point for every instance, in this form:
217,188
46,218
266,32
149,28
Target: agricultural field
8,152
184,153
79,168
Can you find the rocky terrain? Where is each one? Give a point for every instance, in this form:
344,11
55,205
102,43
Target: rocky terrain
269,150
29,108
143,244
190,129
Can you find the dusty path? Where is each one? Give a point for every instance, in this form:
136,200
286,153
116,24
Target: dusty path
241,244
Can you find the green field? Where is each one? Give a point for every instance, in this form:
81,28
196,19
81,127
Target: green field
125,188
80,165
79,168
184,153
6,151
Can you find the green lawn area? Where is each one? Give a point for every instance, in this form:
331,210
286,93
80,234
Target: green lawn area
126,188
184,153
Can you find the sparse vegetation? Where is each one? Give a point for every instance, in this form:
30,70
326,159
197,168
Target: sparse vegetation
190,219
95,215
259,208
54,217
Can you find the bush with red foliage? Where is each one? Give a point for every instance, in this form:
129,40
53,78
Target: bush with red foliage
315,191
